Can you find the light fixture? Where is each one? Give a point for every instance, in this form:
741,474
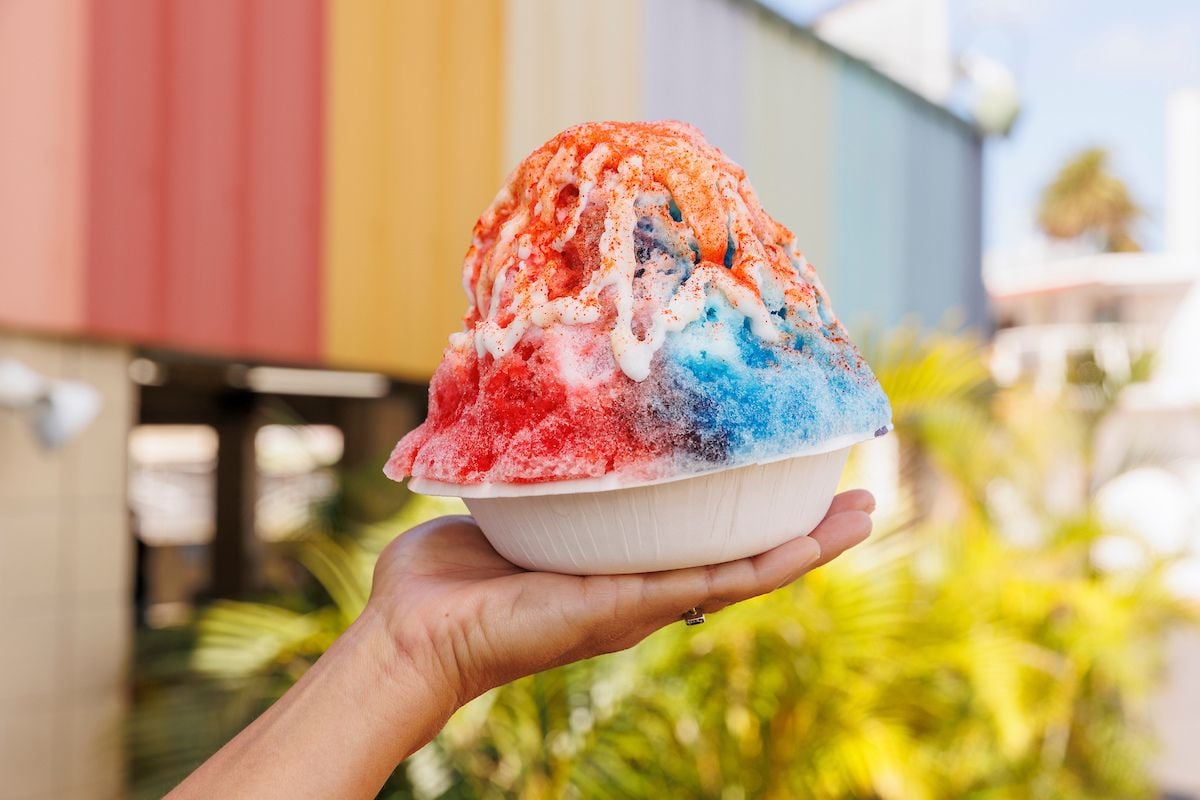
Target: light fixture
145,372
995,97
58,410
314,382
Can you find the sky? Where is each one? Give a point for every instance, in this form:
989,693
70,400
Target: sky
1091,73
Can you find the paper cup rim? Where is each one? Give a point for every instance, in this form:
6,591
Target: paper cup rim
611,482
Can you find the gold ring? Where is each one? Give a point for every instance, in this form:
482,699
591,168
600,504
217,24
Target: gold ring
693,616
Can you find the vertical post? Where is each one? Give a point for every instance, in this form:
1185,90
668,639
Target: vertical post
371,427
235,545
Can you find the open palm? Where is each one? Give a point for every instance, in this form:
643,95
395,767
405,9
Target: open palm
448,597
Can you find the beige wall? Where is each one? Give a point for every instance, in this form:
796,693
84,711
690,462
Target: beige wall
65,587
1174,713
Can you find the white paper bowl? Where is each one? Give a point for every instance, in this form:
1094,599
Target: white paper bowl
590,528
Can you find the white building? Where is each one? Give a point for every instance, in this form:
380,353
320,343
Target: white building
1062,311
1053,313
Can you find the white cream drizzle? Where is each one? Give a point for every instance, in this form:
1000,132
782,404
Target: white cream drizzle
625,191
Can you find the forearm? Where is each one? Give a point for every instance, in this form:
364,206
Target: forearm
339,732
448,618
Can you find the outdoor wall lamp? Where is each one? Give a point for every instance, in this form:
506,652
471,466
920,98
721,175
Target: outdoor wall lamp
57,410
995,103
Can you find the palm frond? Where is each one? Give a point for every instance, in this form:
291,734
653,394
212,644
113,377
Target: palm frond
344,570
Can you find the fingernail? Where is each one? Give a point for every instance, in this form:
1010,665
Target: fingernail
803,564
816,555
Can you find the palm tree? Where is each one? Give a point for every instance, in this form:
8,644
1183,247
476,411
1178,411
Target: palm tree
1087,199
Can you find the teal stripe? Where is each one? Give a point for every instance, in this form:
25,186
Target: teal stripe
789,118
872,125
940,255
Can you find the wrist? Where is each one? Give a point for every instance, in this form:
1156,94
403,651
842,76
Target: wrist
404,665
405,686
343,728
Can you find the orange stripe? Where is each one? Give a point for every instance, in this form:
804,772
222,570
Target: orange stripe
412,158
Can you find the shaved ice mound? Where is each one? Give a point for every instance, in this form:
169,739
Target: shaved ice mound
635,318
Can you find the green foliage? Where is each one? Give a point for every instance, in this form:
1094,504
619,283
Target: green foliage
196,688
946,659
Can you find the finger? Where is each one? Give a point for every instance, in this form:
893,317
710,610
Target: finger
834,535
838,533
666,595
450,545
853,500
443,535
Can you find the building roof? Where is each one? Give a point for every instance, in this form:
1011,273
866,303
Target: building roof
1021,276
948,112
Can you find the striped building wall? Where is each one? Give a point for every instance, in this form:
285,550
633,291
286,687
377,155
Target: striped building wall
295,180
205,172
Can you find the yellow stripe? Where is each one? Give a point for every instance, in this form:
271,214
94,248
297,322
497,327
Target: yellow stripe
412,157
569,61
788,139
470,129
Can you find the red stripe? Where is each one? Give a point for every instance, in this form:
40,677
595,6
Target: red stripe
126,162
206,191
283,115
205,175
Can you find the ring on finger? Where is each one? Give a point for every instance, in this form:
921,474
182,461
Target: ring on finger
693,616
